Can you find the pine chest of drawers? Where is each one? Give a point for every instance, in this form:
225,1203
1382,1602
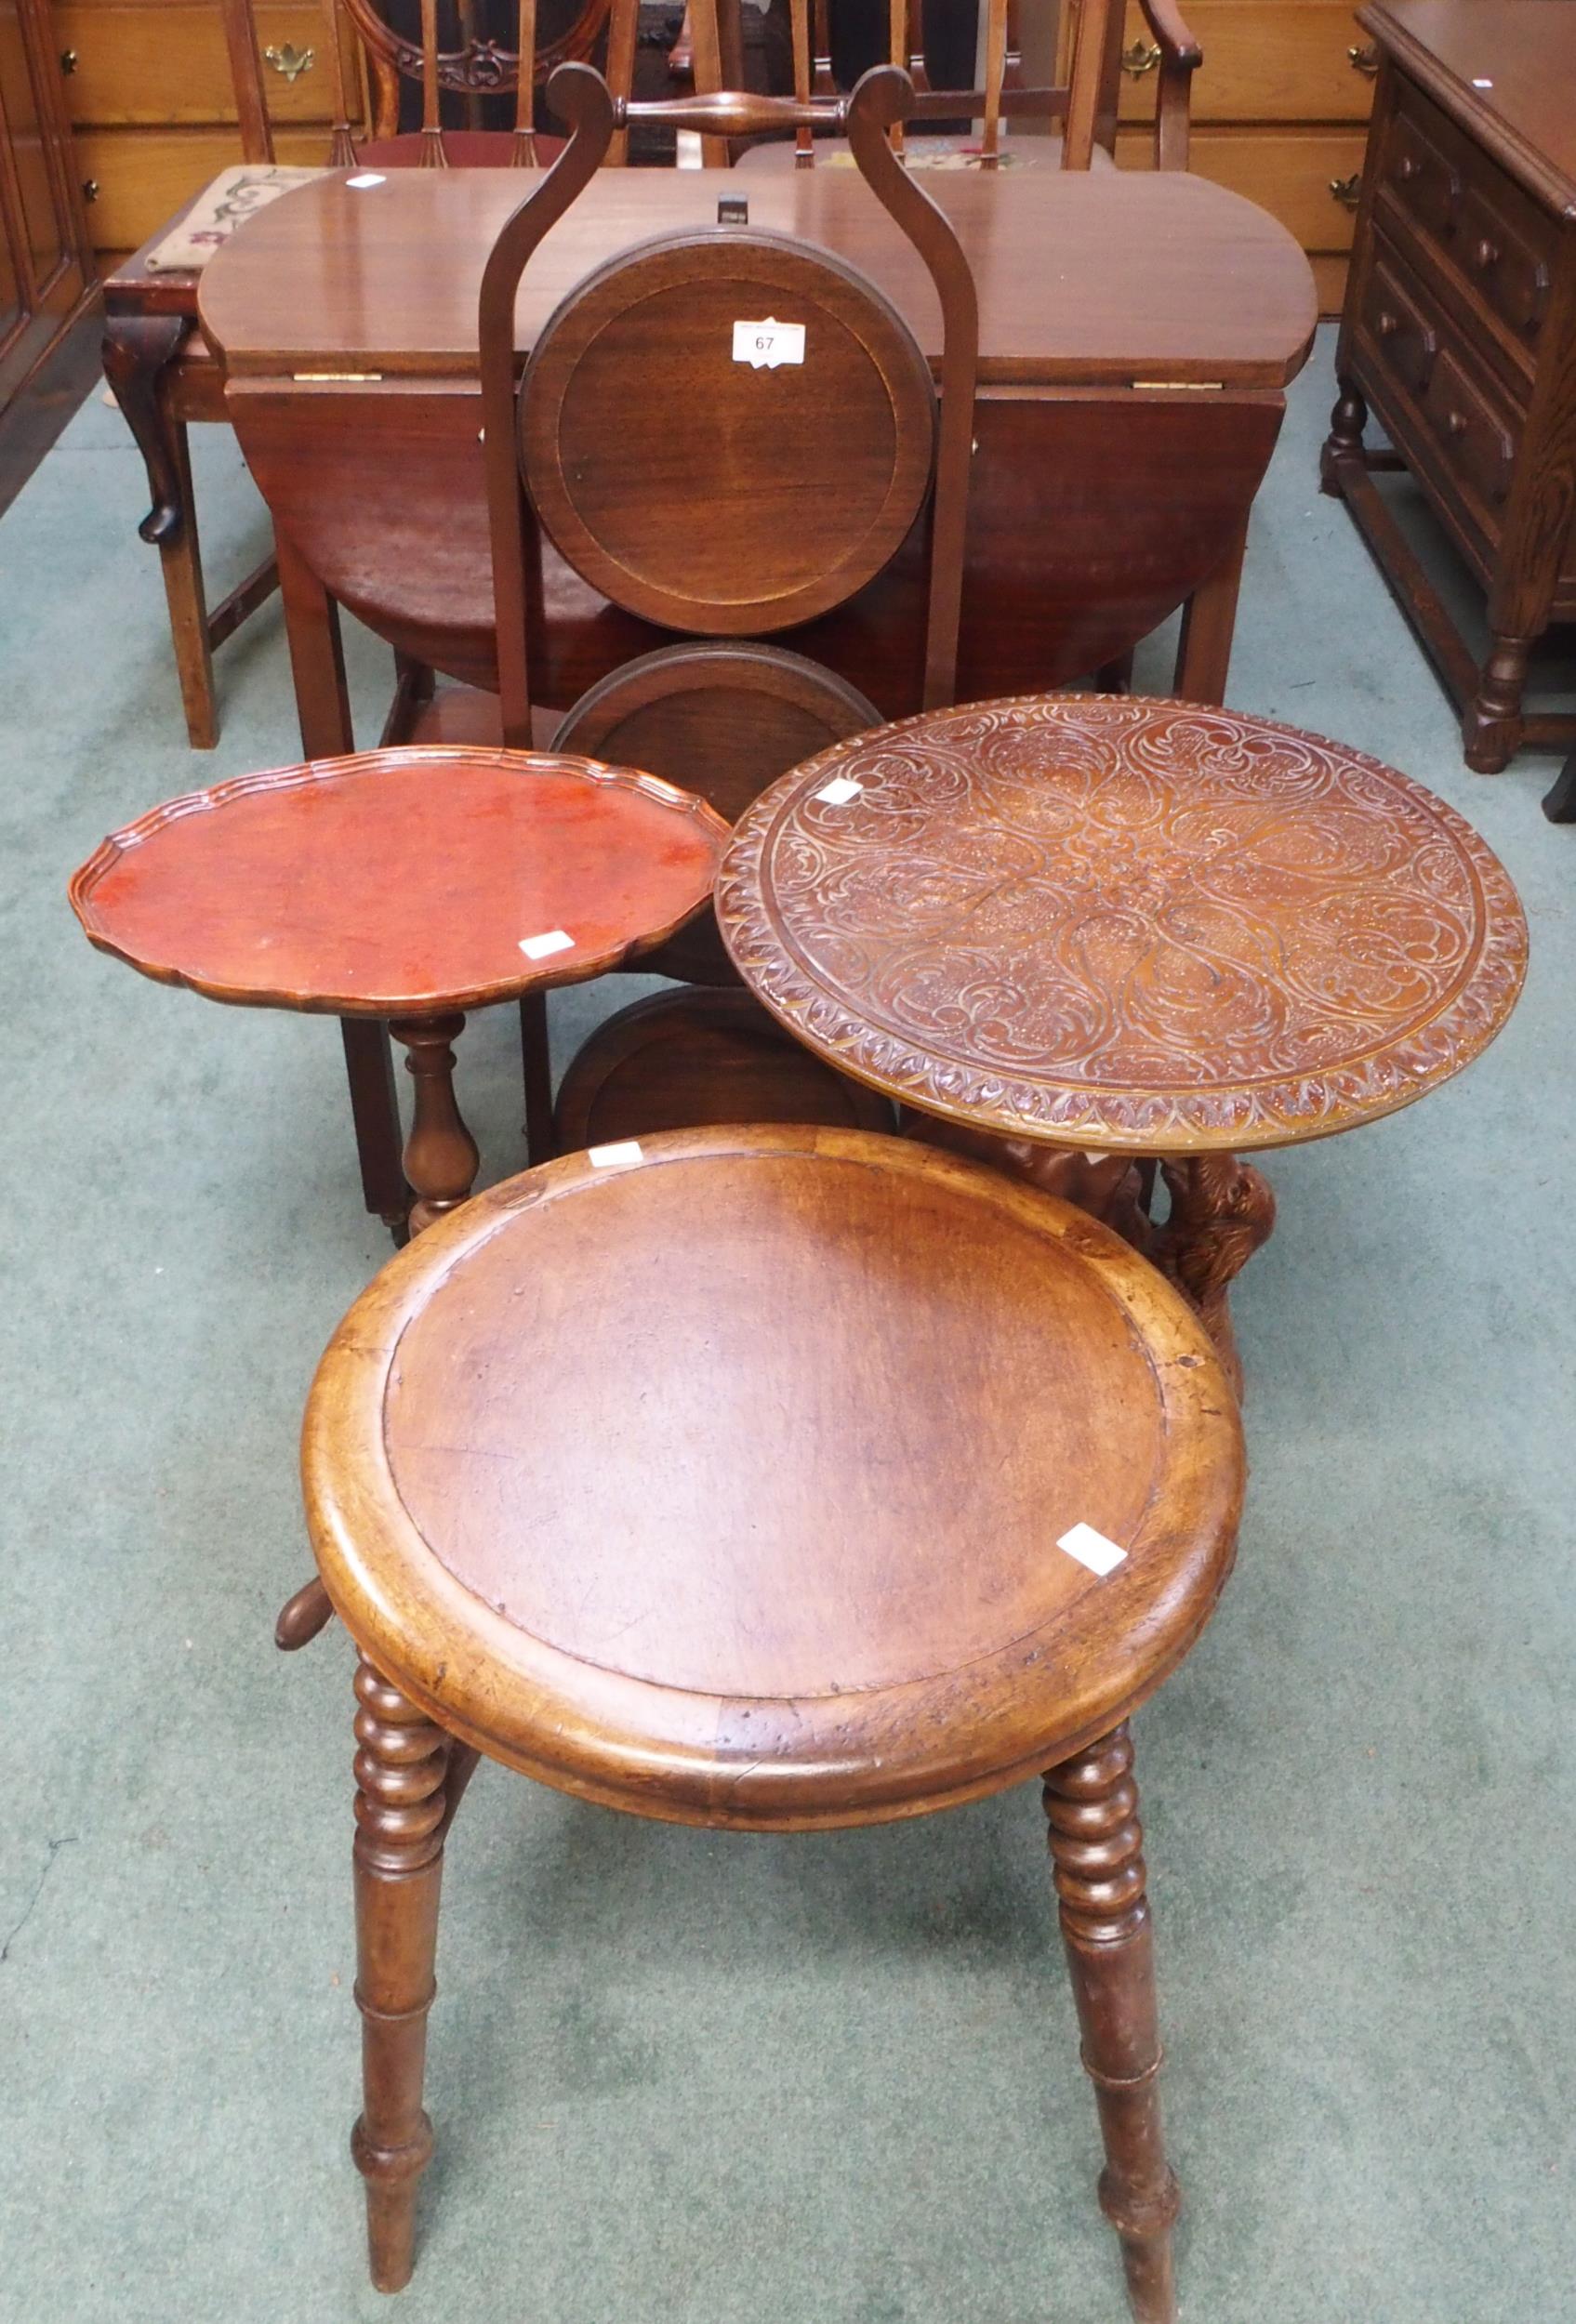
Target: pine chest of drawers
1459,333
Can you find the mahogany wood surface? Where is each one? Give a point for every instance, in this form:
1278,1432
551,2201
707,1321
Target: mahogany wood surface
1123,924
618,501
765,1603
1096,505
399,883
1173,273
685,1060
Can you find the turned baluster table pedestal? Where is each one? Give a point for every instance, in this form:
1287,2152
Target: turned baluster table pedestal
1097,938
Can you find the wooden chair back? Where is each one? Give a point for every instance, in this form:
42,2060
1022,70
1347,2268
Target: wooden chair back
1077,102
1084,101
674,438
368,56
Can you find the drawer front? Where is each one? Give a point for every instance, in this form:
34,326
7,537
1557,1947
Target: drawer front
1507,271
1476,443
1291,61
1438,401
1405,340
1468,216
1420,177
1288,172
164,62
144,176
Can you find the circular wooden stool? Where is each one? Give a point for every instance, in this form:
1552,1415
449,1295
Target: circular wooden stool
410,885
783,1478
1083,936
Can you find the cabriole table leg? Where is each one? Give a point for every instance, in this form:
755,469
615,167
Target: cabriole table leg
1221,1211
440,1158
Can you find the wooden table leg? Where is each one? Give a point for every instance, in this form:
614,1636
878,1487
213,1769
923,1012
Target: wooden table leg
541,1142
1096,1843
1221,1211
322,710
1208,622
441,1160
1560,799
401,1768
138,351
374,1110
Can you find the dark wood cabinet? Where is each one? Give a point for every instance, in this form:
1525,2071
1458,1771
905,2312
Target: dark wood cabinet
49,333
1459,335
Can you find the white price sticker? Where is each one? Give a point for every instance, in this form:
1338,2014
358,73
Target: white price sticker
617,1157
1091,1549
543,947
765,345
366,178
839,791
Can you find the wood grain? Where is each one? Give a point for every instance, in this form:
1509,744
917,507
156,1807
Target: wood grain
766,1602
1124,925
400,883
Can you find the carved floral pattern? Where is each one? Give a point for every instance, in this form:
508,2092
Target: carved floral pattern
1124,923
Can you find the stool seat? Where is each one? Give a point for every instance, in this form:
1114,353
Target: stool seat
721,1477
401,883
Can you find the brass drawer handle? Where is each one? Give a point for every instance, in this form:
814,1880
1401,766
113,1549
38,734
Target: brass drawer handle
290,60
68,62
1364,59
1347,190
90,188
1455,423
1142,58
1485,254
1388,323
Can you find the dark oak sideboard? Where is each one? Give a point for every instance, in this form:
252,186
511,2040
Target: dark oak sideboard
1459,335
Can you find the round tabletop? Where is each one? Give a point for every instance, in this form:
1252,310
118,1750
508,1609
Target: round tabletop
1122,924
402,882
784,1476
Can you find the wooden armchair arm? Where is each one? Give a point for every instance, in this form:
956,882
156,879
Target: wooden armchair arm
1176,43
1180,59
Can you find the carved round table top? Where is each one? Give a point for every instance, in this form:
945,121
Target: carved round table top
400,883
1123,924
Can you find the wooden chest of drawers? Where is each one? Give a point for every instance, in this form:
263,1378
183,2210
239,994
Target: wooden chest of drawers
1280,107
153,108
1459,333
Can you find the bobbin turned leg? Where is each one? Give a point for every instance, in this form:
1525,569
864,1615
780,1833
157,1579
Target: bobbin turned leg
1091,1802
402,1816
441,1160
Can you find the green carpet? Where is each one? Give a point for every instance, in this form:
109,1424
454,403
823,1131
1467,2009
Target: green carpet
688,2078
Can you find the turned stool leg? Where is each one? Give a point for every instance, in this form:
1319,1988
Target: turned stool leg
441,1160
1091,1802
402,1816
